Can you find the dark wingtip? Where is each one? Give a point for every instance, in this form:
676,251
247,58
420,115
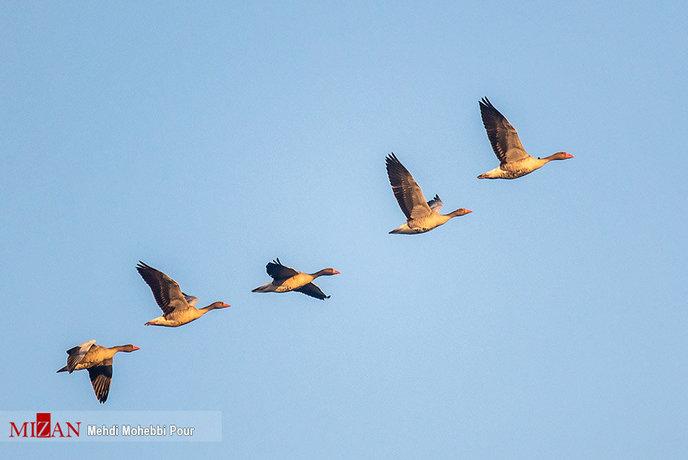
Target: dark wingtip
142,266
391,159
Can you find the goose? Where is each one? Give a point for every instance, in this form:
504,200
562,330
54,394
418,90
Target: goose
177,307
514,161
421,216
285,279
98,361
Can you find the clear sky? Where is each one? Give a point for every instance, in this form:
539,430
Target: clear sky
209,138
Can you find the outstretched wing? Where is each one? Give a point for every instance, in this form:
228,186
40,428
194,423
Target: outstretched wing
435,204
76,354
166,291
312,290
279,272
503,137
100,379
191,300
406,190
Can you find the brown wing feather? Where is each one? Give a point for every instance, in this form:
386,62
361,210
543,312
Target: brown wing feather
436,203
72,361
101,376
76,354
503,137
166,291
407,192
279,272
312,290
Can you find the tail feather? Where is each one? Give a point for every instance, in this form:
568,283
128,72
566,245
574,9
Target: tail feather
262,288
64,369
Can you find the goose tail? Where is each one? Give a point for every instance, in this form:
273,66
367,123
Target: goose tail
263,288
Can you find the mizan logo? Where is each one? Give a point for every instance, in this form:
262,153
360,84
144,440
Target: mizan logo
43,427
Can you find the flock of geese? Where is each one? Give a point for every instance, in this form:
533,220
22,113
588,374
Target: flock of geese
422,216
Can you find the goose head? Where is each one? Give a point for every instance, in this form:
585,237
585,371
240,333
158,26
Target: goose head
459,212
559,156
128,348
218,305
327,272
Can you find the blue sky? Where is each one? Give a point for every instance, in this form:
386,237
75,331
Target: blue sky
207,139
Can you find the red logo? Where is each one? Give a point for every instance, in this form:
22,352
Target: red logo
43,427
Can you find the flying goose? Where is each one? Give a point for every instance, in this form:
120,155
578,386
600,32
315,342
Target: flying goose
421,216
285,279
98,360
514,161
177,307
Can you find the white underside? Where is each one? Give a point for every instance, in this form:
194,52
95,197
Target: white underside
514,170
422,225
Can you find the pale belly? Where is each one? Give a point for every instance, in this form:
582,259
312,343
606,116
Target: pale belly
84,365
184,316
294,282
427,223
93,358
514,170
521,168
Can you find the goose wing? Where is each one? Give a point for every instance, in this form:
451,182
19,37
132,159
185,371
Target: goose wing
503,137
191,300
407,192
435,204
101,376
166,291
76,354
279,272
312,290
